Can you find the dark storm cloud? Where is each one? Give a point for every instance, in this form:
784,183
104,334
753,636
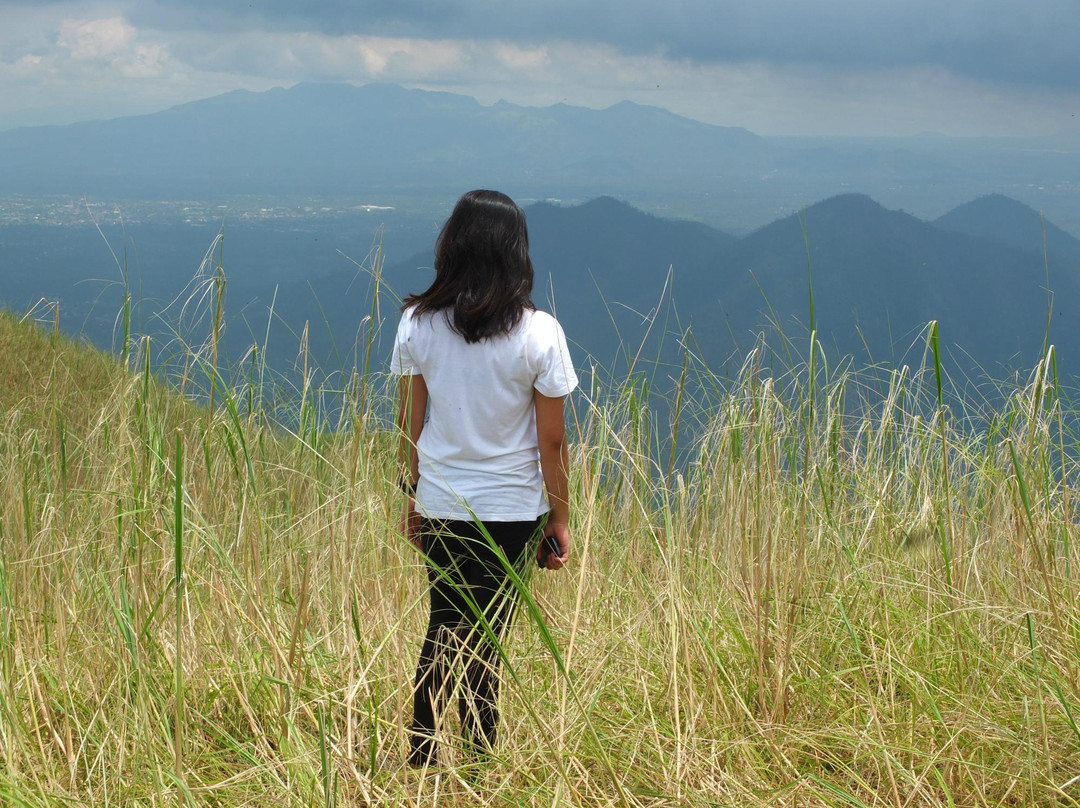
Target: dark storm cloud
1016,41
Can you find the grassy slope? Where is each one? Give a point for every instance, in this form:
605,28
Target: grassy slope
820,612
44,374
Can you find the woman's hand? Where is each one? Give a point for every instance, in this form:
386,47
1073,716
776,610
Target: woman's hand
544,555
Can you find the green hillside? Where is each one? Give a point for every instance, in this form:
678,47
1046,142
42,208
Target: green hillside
43,373
832,605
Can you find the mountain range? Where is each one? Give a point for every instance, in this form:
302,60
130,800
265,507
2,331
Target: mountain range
635,283
339,139
625,283
387,144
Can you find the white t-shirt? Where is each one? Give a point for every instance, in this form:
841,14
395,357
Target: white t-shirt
478,449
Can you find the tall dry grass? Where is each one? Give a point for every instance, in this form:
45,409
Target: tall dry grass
851,595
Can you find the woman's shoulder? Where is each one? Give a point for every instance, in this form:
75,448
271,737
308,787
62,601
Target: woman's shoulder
543,333
411,317
538,320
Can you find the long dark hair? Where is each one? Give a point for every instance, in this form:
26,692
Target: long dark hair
483,274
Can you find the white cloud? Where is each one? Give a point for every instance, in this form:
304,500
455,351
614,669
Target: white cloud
27,65
57,67
522,59
291,57
96,39
145,62
89,53
396,58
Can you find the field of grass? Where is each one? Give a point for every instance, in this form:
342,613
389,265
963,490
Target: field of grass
845,598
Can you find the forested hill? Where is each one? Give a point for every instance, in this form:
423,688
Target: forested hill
999,218
618,278
878,276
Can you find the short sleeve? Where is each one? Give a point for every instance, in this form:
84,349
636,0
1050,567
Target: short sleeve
555,374
402,361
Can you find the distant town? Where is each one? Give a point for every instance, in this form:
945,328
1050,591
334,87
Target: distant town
68,210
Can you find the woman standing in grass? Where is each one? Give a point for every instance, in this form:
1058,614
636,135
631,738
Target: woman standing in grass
483,380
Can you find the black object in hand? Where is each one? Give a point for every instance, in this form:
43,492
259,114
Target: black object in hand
552,550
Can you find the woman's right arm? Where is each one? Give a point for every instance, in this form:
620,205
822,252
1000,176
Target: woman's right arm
554,462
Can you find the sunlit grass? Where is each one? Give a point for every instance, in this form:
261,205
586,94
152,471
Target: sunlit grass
851,596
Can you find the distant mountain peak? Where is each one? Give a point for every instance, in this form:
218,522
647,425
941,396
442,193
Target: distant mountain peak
848,201
836,217
995,202
601,211
608,203
843,208
1009,221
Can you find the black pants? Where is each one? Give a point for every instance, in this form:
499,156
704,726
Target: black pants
472,603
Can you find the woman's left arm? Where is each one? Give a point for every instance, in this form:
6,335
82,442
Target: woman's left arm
554,462
412,407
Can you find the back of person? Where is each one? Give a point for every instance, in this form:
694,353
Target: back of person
478,449
483,456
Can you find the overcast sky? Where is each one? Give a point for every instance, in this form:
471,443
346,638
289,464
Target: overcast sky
965,67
